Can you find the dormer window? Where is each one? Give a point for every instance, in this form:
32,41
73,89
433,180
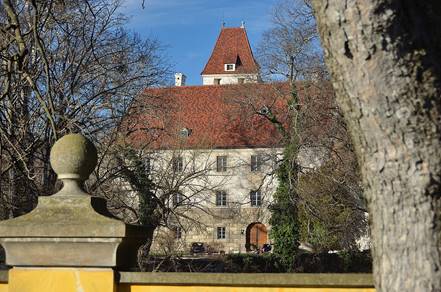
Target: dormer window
185,132
230,67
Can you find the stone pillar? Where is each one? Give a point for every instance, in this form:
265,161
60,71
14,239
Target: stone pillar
69,242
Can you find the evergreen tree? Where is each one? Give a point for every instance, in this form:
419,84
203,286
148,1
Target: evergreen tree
284,215
284,219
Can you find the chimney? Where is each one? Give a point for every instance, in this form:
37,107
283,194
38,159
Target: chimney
180,79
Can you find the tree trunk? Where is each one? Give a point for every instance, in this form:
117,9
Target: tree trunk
12,198
384,58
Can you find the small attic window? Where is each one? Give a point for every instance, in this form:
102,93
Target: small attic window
185,132
230,67
264,110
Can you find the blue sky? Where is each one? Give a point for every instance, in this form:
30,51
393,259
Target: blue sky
189,28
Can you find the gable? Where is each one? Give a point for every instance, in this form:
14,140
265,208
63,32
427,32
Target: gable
232,47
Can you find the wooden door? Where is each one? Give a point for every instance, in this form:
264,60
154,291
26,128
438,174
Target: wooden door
257,235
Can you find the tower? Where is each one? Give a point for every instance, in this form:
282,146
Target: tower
232,59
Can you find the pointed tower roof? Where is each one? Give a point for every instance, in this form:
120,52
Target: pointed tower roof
232,47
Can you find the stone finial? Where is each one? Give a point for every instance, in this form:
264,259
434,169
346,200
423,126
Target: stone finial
71,228
73,158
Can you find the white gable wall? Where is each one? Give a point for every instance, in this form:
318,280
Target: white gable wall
229,78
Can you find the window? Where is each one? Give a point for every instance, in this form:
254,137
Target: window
220,233
241,80
256,162
177,199
185,132
221,163
177,164
177,232
264,110
255,198
217,81
230,67
221,198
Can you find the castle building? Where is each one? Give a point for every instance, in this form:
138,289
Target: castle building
217,147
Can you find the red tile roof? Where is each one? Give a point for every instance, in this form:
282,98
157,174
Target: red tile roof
218,116
232,47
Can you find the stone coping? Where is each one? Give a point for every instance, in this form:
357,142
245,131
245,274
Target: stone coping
250,280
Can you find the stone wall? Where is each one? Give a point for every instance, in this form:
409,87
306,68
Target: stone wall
66,280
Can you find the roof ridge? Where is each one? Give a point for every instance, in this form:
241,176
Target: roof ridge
206,86
212,51
249,47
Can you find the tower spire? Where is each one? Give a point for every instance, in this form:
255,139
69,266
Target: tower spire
232,56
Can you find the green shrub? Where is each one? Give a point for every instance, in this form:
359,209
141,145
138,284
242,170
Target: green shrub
253,263
342,262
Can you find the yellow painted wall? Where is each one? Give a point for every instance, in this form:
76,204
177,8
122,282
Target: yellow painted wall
145,288
103,280
60,280
3,287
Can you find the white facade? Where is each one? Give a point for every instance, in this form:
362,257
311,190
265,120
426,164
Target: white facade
222,79
203,212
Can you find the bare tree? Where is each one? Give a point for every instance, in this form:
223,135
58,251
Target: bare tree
310,124
160,188
291,48
312,127
385,62
65,67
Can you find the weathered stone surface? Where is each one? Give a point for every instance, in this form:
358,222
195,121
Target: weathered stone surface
63,216
250,280
68,252
71,228
73,156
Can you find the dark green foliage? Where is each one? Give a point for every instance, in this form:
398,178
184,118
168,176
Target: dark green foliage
284,220
136,174
343,262
252,263
284,215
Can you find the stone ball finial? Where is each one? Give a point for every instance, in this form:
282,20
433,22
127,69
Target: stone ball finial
73,157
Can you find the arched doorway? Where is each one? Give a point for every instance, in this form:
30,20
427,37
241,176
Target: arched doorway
256,236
